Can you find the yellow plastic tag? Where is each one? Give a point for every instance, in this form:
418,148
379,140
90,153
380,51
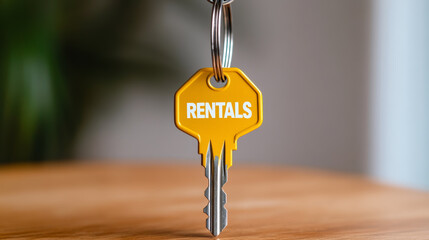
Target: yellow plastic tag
218,116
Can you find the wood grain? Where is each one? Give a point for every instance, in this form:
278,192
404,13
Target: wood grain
81,201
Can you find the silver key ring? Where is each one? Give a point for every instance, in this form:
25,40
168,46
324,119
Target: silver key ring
218,5
223,1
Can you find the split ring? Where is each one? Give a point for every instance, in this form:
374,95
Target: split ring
218,6
223,1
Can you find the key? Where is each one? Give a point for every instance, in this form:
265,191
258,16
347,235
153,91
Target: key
217,117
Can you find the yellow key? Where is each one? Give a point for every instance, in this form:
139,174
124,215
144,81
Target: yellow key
217,117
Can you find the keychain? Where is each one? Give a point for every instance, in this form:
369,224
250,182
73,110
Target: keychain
218,116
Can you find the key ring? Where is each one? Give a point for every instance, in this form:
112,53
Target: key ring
218,5
223,1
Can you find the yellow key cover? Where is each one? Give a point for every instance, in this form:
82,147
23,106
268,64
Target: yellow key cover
218,115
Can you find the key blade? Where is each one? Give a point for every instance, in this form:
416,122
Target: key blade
217,175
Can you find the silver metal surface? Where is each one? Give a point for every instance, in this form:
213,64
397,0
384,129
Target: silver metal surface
217,175
215,35
223,1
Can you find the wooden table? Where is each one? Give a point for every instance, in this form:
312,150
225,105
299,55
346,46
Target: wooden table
81,201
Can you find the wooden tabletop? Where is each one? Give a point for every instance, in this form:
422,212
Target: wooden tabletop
81,201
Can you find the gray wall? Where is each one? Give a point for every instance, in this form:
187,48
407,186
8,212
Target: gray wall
309,59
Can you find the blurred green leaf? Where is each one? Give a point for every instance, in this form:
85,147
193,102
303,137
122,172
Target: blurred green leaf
32,93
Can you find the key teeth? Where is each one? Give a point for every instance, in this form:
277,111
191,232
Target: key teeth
223,198
206,193
224,212
212,165
206,208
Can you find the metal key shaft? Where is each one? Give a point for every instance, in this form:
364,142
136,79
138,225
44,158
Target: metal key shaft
217,175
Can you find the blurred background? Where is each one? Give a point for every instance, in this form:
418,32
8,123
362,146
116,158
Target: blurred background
345,82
